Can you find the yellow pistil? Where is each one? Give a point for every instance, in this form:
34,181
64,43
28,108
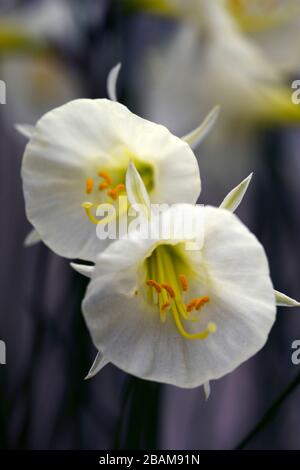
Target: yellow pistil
161,265
88,206
211,328
88,209
89,185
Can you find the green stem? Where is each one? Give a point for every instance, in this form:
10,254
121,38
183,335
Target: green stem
270,413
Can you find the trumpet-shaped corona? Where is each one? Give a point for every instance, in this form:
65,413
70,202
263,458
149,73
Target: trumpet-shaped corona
170,288
164,313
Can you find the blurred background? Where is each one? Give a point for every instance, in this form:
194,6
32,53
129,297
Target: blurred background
179,59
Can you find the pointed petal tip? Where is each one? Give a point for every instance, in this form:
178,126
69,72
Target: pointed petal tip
207,390
197,136
234,198
97,365
32,238
112,80
25,130
83,269
283,300
216,110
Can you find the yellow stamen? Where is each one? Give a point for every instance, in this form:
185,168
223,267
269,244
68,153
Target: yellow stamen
163,310
154,284
171,295
89,185
103,186
169,289
106,177
184,282
165,306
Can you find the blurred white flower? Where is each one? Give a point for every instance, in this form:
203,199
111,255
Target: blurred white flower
44,20
274,26
219,64
163,313
38,79
77,157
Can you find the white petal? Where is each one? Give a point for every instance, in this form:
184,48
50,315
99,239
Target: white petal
174,162
236,195
72,143
32,238
283,300
83,269
26,130
135,188
234,274
195,137
207,390
112,82
98,364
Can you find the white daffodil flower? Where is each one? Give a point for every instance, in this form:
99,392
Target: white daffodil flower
272,25
76,161
218,63
164,313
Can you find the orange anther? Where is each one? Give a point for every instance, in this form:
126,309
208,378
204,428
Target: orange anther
169,289
114,193
191,305
165,306
89,185
103,186
105,176
154,284
120,187
183,282
201,301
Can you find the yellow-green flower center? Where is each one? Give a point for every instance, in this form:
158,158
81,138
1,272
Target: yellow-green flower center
167,289
256,15
107,184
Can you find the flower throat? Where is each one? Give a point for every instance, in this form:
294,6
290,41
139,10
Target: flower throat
167,282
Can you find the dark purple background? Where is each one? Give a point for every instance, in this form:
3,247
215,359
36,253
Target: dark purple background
45,404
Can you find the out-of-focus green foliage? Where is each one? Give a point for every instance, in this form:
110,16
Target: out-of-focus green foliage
152,6
14,40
